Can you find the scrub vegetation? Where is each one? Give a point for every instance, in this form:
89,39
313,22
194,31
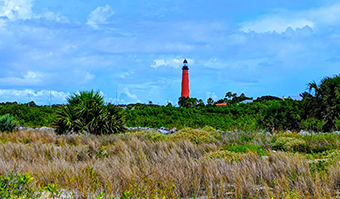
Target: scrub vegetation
147,164
242,150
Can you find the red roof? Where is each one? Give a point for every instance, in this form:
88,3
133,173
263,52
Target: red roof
222,104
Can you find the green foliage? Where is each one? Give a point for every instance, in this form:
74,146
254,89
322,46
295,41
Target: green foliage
243,138
197,136
315,143
337,123
333,157
86,112
248,147
319,167
189,102
321,142
92,177
290,144
267,98
234,99
280,115
16,185
103,195
52,189
30,116
7,123
313,124
241,116
323,101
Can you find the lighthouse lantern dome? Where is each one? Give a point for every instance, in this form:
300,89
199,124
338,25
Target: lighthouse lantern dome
185,64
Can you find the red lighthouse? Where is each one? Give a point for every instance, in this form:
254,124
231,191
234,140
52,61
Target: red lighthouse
185,79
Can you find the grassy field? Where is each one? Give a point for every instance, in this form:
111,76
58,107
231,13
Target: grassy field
192,163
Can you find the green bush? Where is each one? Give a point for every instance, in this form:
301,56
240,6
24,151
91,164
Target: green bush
280,115
313,124
7,123
248,147
16,185
290,144
321,142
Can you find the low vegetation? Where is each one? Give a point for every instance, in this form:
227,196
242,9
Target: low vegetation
147,164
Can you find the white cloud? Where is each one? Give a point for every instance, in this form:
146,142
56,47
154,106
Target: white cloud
16,9
172,62
124,75
275,23
22,9
99,16
279,22
49,15
33,75
212,95
29,79
130,95
40,97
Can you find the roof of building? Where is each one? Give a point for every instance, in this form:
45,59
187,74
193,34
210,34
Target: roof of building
222,104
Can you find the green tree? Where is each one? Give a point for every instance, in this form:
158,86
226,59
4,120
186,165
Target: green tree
323,101
86,111
233,98
280,115
210,101
183,101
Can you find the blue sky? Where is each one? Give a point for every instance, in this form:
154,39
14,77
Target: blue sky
136,48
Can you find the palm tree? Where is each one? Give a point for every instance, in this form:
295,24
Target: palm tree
210,101
228,95
323,101
86,111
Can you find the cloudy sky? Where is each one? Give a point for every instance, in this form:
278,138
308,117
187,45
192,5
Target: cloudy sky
134,49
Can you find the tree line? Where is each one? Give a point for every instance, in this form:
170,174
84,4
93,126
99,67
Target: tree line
319,110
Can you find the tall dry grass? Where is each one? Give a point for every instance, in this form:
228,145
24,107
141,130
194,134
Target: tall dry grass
113,164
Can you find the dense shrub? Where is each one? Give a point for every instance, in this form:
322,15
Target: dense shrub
314,143
321,142
313,124
290,144
86,112
280,115
7,123
30,116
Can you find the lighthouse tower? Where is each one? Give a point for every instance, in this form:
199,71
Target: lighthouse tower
185,79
